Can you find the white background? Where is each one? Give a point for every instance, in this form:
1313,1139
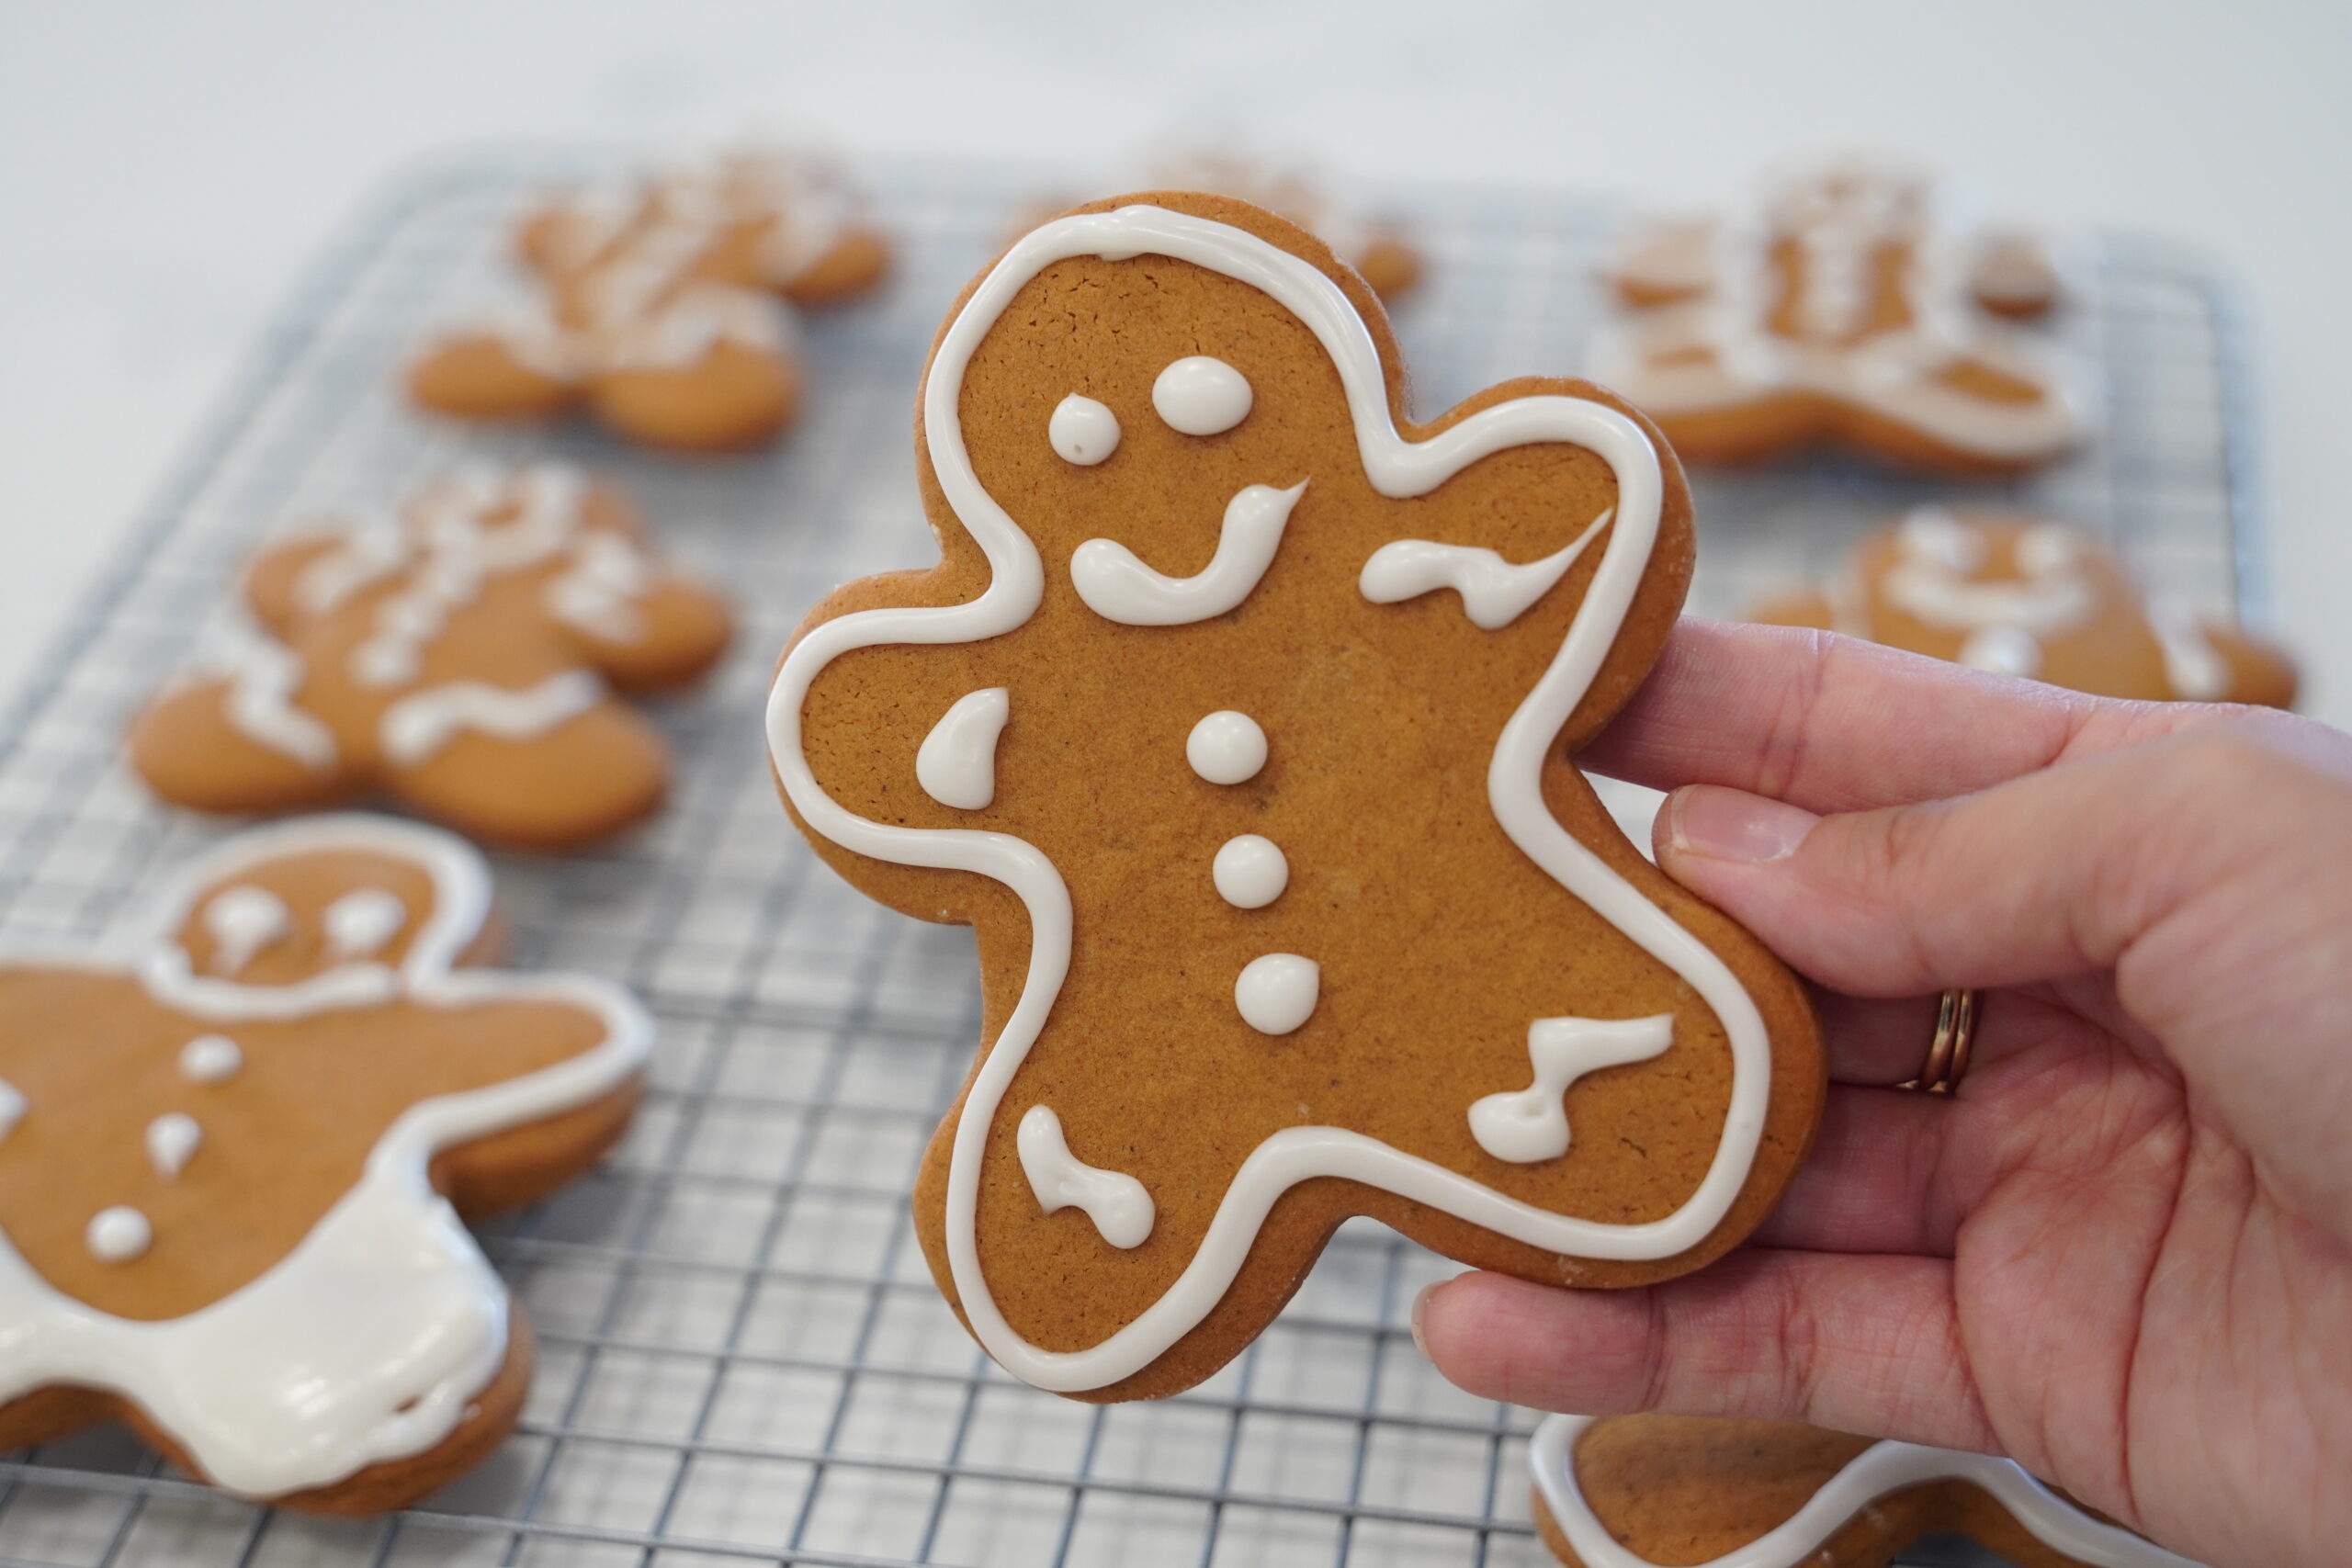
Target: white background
165,168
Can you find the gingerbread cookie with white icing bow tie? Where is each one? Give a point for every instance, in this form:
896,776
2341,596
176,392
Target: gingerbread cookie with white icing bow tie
1237,718
1836,311
234,1152
463,659
2021,595
1691,1492
665,306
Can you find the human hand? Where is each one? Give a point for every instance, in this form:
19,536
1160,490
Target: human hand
2122,1252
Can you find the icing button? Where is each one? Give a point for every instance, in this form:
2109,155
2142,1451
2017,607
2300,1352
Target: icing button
118,1234
1227,748
211,1058
1276,993
1250,872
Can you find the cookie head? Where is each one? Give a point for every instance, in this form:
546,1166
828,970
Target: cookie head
1234,720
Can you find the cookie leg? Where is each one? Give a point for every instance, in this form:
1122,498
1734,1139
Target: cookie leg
736,396
479,375
190,750
591,775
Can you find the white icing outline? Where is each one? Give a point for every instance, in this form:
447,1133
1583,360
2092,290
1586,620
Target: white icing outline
1877,1470
1118,587
1397,467
372,1339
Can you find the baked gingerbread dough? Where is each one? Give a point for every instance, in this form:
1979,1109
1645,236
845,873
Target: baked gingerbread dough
664,305
234,1151
2022,595
1694,1492
1836,309
463,659
1236,719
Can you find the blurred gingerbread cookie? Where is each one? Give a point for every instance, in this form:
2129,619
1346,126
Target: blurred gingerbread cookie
234,1149
2022,596
662,306
1837,311
462,659
1688,1491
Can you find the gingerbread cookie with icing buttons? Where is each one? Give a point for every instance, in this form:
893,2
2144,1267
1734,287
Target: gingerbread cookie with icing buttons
235,1146
664,307
2021,595
1691,1492
1236,719
466,659
1838,310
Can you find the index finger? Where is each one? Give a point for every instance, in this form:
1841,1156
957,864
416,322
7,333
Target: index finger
1834,724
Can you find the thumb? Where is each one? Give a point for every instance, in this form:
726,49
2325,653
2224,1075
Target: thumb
2046,875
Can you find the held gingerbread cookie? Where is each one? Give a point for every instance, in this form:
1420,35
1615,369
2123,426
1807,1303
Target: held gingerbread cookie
462,660
1688,1492
234,1152
2022,596
1836,311
1237,718
662,307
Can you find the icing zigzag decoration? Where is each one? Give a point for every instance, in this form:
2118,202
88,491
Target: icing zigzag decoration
1236,719
234,1146
1690,1492
1836,311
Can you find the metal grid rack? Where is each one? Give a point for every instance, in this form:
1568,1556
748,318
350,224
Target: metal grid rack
743,1358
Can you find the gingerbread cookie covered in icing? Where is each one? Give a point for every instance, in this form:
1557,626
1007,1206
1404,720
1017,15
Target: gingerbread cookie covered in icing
1838,312
235,1146
462,659
2020,595
1690,1492
662,306
1236,719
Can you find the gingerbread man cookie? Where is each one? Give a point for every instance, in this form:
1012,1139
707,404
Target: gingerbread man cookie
2023,596
234,1151
1837,312
660,306
462,659
1688,1491
1236,719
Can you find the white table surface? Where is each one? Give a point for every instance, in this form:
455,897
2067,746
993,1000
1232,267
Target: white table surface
165,169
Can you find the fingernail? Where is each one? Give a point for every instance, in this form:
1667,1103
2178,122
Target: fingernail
1421,1310
1733,825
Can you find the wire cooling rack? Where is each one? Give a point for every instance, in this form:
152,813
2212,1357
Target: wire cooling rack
743,1356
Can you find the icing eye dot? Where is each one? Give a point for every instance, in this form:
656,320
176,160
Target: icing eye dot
242,921
1201,396
1083,431
1250,872
1938,536
118,1234
1227,748
1277,992
211,1058
360,923
12,1106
